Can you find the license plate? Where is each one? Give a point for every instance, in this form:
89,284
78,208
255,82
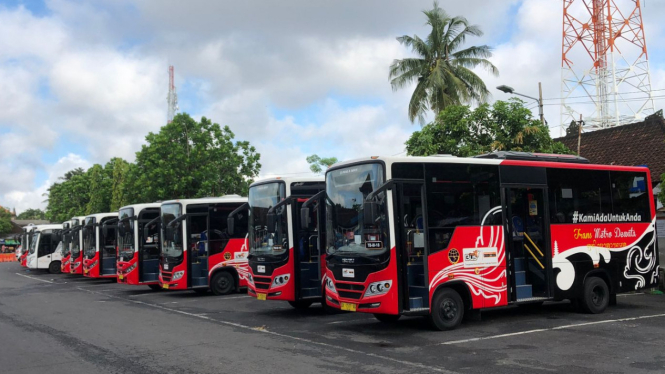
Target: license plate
120,277
261,296
349,307
165,286
85,271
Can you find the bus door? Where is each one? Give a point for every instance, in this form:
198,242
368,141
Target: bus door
45,250
148,248
307,249
197,246
411,247
529,255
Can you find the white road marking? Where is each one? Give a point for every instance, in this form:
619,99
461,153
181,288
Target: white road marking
631,294
350,320
234,297
264,331
27,276
551,329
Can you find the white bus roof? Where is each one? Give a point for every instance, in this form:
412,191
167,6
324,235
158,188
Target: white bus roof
48,227
140,207
209,200
102,215
288,180
424,159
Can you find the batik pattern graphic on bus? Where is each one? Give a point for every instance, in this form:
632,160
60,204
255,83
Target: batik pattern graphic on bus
236,251
628,249
480,264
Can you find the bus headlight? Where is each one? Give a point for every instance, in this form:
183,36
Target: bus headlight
281,280
177,275
93,264
378,288
129,269
330,285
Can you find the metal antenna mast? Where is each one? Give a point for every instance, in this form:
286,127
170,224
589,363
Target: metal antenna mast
172,97
605,66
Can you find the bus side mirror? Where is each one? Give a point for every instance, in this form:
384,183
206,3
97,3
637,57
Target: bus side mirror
371,212
230,225
146,232
304,218
105,230
271,222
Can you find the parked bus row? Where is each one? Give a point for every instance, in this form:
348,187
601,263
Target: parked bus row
436,236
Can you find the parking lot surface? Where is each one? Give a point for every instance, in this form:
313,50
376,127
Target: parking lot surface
68,324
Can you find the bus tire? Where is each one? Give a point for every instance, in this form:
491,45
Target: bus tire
222,283
387,318
300,304
447,310
154,287
596,296
54,267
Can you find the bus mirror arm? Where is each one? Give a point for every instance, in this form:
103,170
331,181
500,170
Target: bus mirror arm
271,217
370,212
105,226
304,210
179,219
231,220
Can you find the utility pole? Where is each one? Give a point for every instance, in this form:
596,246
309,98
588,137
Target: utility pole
579,134
540,103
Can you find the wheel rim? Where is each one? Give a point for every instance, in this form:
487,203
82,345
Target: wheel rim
598,296
448,310
222,283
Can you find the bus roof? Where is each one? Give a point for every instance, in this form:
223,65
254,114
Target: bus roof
287,180
209,200
492,160
102,215
140,207
48,227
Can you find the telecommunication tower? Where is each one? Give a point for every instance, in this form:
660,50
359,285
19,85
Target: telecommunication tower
172,97
605,67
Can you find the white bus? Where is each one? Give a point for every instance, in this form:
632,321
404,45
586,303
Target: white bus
42,253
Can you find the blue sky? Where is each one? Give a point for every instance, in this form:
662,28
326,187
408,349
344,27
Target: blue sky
84,81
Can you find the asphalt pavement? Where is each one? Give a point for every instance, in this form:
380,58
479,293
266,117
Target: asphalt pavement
69,324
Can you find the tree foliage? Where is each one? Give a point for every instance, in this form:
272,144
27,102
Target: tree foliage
317,163
505,126
32,214
443,69
5,221
189,159
185,159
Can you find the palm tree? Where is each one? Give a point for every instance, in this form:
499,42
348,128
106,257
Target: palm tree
442,70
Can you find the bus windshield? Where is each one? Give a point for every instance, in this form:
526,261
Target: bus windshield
346,190
126,233
33,242
89,245
261,199
64,250
172,246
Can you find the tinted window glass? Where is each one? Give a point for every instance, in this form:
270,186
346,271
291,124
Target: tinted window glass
630,196
404,170
574,192
460,195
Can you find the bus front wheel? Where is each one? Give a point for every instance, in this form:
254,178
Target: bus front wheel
447,310
596,296
54,267
222,283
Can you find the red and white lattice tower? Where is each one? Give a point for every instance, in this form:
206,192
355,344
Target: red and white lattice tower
172,98
605,66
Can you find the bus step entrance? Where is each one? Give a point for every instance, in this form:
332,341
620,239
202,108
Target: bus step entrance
524,290
310,292
415,303
417,297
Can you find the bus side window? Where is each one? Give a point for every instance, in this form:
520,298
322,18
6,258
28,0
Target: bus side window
44,245
459,195
630,194
581,191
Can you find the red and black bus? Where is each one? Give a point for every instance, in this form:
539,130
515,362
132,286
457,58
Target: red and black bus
138,245
440,236
99,245
197,250
286,220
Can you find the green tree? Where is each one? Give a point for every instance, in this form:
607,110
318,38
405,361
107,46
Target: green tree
189,159
5,221
99,190
121,185
443,70
32,214
69,197
317,163
504,126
